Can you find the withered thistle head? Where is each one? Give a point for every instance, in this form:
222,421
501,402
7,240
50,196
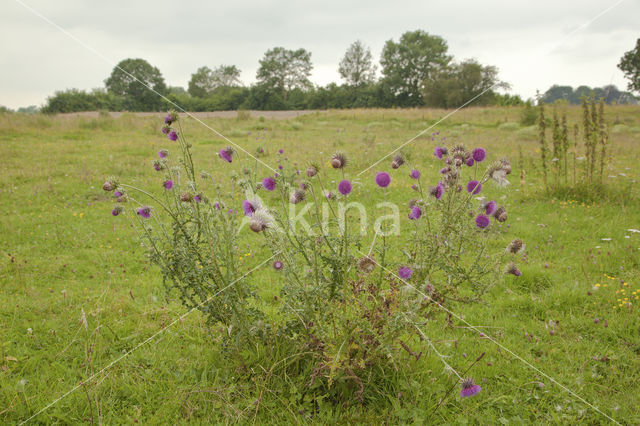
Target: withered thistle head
398,160
186,197
110,184
500,214
366,265
260,220
297,196
339,160
506,166
515,246
312,170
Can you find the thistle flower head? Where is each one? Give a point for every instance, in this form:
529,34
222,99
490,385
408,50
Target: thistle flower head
437,191
489,207
482,221
500,214
513,269
312,170
250,207
366,264
479,154
405,272
470,161
170,118
277,265
226,154
173,135
297,196
469,388
415,213
439,152
116,210
515,246
398,160
339,160
344,187
260,220
269,183
198,198
144,212
383,179
110,184
168,184
163,153
506,166
474,187
415,174
186,197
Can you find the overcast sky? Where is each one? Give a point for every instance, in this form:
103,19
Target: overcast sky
526,40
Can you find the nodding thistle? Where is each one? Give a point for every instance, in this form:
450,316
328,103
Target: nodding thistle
366,265
110,184
186,197
297,196
338,161
398,160
170,118
117,210
312,170
515,246
226,154
513,269
500,214
260,220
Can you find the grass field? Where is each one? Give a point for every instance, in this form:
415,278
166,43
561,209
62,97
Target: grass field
77,291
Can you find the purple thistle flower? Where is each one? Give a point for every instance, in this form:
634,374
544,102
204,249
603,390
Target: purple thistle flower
166,130
277,265
226,154
415,213
479,154
482,221
197,198
163,153
469,162
344,187
281,151
469,388
168,184
491,207
414,187
216,205
330,195
383,179
415,174
444,170
269,183
173,135
117,194
280,167
405,272
249,207
437,191
474,187
438,152
116,210
144,212
513,270
168,119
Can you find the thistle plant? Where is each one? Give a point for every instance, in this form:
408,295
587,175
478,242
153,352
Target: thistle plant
345,312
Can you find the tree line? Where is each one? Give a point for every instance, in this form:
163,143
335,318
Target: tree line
417,70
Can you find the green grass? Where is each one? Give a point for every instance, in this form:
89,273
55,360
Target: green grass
76,290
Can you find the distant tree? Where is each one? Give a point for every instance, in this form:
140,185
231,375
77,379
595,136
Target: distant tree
176,90
409,62
283,70
135,91
454,85
205,80
630,66
4,110
556,92
356,67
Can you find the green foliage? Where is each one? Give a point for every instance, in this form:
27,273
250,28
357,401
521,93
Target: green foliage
74,100
283,70
356,67
610,94
205,81
406,64
131,80
630,66
529,115
456,84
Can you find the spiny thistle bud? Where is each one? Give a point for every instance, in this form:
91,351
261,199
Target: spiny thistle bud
398,161
312,170
513,270
413,202
339,160
297,196
159,165
515,246
500,214
366,265
186,197
260,220
304,185
110,184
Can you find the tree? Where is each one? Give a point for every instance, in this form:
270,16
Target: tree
204,81
131,79
410,61
454,85
356,67
630,66
283,70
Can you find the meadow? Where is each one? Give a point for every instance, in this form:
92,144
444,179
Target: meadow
77,290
